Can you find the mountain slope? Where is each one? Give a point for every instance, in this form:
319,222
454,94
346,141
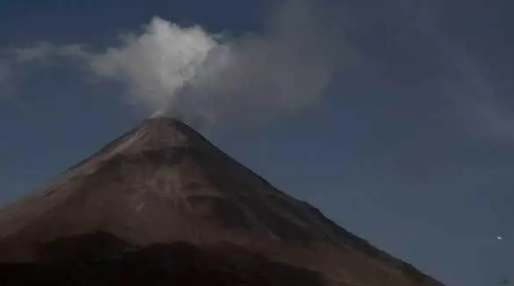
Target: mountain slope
163,186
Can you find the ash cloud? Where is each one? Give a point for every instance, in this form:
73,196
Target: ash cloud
203,77
187,72
283,70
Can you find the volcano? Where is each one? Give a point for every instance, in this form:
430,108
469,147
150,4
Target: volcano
161,205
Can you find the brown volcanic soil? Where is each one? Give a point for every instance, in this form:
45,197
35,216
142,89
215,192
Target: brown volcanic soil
162,206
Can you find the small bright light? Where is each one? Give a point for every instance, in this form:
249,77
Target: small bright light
499,237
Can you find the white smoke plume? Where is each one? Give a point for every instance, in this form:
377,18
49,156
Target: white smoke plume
155,64
190,73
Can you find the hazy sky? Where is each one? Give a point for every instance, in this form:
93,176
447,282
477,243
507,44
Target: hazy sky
396,118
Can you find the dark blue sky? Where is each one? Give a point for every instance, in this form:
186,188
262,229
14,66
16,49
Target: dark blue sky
411,147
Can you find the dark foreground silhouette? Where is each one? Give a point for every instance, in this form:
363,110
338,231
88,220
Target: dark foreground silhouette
102,259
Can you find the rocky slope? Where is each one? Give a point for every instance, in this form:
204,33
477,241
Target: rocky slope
162,206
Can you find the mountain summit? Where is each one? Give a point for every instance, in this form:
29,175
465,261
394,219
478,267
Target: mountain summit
161,205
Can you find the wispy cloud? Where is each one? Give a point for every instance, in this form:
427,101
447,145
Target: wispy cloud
5,73
14,62
465,79
5,77
40,52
